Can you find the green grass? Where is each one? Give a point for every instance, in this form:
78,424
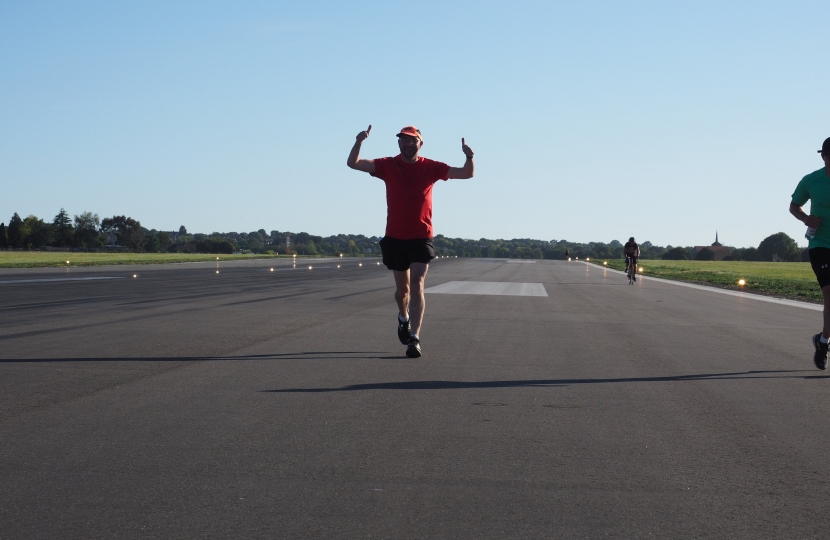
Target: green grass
789,280
37,259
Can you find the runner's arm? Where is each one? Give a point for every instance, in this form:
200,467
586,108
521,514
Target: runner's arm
467,171
354,161
800,215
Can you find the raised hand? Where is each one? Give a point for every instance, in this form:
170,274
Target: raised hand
464,148
363,135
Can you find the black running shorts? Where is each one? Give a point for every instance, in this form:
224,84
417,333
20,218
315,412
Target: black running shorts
820,261
399,254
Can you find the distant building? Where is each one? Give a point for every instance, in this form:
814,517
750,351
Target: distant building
717,248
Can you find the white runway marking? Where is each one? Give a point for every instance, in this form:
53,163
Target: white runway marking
489,288
8,281
525,261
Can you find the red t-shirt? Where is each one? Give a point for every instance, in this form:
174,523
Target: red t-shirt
409,194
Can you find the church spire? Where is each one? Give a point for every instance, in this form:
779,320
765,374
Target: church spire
716,240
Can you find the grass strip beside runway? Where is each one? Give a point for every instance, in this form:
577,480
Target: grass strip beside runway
789,280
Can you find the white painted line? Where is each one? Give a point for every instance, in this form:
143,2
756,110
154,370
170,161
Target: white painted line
525,261
10,281
489,288
762,298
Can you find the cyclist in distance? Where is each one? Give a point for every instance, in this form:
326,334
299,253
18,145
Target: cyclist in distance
631,250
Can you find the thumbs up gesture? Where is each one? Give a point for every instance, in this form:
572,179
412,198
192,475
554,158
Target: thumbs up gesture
363,135
466,149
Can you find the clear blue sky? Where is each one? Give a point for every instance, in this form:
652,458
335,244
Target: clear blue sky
591,121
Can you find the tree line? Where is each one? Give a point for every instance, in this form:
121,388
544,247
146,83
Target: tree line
88,231
777,246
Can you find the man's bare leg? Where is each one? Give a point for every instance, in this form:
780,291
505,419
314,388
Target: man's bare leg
417,276
402,291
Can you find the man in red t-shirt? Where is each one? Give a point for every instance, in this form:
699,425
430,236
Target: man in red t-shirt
407,246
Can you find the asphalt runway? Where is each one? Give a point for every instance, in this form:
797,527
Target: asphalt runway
186,403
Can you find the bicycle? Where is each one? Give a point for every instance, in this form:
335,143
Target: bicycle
631,270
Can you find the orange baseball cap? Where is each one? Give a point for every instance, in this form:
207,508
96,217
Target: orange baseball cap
412,131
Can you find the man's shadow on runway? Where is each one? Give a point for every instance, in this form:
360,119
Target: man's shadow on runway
313,355
548,383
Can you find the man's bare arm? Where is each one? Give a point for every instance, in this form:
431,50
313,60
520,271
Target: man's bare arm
354,161
467,171
800,215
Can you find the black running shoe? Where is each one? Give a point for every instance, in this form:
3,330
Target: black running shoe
819,359
413,347
404,331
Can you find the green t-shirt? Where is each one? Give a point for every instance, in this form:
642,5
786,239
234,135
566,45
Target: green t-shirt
815,187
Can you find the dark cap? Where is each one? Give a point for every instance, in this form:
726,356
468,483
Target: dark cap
825,148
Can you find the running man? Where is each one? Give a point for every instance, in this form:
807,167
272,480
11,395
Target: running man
631,250
815,187
407,246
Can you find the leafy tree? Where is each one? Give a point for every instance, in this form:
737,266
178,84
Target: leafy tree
126,230
164,238
705,254
36,232
87,230
748,254
214,245
677,254
182,230
15,232
4,239
781,245
64,231
136,240
153,244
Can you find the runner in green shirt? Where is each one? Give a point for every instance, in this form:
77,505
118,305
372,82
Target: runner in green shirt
815,187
